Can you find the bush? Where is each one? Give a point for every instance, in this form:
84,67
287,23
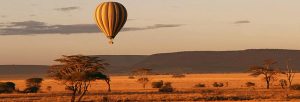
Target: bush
33,85
178,76
167,87
295,87
7,87
32,89
217,84
49,88
158,84
283,83
130,77
200,85
250,84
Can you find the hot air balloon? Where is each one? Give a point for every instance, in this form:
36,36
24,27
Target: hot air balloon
110,18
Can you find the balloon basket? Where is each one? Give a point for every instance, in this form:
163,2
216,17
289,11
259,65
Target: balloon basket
111,42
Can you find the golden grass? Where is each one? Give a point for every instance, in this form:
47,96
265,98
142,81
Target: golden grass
128,89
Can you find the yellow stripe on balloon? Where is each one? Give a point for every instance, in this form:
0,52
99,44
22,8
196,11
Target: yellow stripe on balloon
99,19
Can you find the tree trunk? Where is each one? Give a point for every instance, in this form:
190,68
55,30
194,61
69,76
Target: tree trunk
290,83
86,85
282,86
81,96
268,84
73,96
107,81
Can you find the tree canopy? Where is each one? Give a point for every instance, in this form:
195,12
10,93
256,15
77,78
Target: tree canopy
77,71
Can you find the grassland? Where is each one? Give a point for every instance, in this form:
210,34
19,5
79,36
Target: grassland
125,89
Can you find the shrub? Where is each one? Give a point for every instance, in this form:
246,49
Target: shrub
7,87
167,87
33,85
283,83
200,85
217,84
178,76
130,77
49,88
250,84
158,84
295,87
33,89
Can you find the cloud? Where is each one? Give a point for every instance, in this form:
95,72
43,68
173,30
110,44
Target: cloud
67,8
156,26
242,22
35,27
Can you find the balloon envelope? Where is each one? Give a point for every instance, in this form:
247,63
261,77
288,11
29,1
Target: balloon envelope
110,18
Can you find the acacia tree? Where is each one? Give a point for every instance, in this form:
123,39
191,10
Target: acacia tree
142,75
76,73
267,70
143,81
33,85
289,73
101,76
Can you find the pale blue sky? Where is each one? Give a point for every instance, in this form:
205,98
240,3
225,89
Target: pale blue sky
202,25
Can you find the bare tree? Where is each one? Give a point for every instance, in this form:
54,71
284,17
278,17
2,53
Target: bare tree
142,75
76,73
267,70
289,72
143,81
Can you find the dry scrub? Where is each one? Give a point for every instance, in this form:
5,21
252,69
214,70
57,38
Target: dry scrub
125,89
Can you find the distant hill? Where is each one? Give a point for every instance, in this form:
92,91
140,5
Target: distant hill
187,61
22,71
121,63
218,61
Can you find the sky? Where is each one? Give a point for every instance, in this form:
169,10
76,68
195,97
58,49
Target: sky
39,31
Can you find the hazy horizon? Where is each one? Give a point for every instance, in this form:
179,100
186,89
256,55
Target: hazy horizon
154,26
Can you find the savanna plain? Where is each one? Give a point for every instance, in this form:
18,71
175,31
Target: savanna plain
125,89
